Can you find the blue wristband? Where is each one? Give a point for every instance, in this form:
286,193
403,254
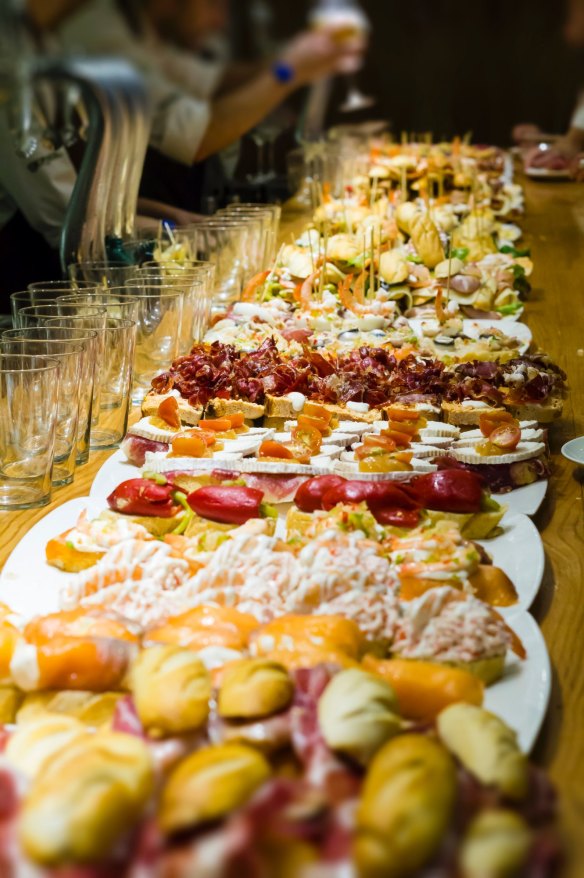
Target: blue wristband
283,72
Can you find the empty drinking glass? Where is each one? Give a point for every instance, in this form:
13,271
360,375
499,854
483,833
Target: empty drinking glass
114,300
104,274
70,358
116,383
159,328
29,391
88,339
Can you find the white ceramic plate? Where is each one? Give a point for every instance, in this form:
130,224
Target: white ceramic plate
521,698
472,328
548,174
116,469
30,586
574,450
27,583
526,500
518,551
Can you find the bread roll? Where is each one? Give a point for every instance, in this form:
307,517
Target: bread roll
486,747
393,267
94,709
426,240
406,805
86,798
10,700
210,784
34,744
254,687
404,215
357,713
171,689
496,845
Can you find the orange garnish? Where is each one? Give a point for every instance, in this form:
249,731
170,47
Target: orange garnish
168,412
189,446
270,448
219,425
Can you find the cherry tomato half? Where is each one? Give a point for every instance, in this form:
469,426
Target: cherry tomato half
168,411
314,410
219,425
491,420
307,436
506,436
313,423
189,446
270,448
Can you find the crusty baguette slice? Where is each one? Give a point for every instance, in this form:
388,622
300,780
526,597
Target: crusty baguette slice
544,413
280,407
345,414
188,414
219,408
460,416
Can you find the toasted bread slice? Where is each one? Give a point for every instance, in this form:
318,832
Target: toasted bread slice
188,414
220,408
62,554
461,416
346,414
280,407
544,413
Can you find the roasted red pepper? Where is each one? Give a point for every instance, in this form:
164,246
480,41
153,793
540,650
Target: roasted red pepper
229,504
144,497
449,490
397,517
309,495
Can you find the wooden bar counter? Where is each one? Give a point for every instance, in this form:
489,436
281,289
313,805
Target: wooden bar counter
554,228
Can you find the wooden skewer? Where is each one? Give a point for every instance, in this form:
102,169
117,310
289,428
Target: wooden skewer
323,268
372,266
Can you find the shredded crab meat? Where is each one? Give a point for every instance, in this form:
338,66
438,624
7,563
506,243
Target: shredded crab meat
445,626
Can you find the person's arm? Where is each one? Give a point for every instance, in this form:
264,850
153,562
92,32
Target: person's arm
150,208
310,56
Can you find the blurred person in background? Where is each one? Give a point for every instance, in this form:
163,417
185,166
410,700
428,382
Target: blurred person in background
565,152
200,102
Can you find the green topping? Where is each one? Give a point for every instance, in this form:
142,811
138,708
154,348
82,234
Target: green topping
511,308
417,260
69,544
521,284
268,511
459,253
157,478
488,503
514,251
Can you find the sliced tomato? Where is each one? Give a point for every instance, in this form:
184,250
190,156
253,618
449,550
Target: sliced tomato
379,441
402,440
189,446
208,437
410,427
314,410
507,436
218,425
307,436
270,448
168,411
236,420
383,463
396,414
313,423
491,420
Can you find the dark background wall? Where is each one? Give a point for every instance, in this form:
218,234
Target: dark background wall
452,65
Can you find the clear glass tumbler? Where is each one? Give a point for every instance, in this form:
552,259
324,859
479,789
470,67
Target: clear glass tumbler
88,339
29,393
70,357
